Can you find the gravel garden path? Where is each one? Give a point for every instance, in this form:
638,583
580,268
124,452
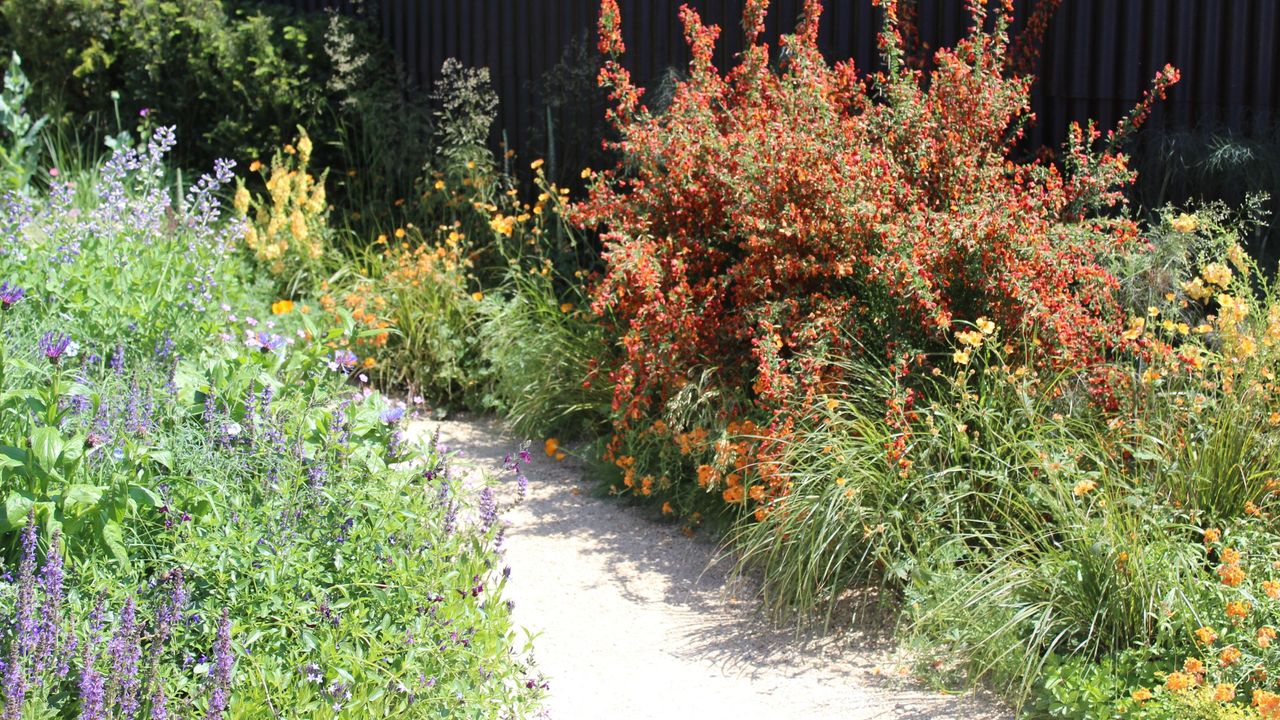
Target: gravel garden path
630,622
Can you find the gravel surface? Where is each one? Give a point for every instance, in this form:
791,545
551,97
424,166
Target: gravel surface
629,620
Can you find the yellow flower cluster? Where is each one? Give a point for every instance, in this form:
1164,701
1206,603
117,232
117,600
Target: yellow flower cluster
287,226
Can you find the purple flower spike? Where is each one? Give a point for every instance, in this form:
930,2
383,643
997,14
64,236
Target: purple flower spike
10,295
54,345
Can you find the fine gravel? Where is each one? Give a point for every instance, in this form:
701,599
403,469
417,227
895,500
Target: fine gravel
631,619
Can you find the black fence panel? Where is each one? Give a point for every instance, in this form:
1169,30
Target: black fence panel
1098,56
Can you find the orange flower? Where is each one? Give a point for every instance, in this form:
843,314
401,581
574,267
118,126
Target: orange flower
1266,634
1206,635
369,362
551,446
1142,694
1251,509
1231,575
560,455
1229,656
1193,666
255,166
1084,487
1271,588
1237,610
733,494
1267,703
706,475
1212,535
1224,692
1230,556
667,509
756,493
281,307
1177,681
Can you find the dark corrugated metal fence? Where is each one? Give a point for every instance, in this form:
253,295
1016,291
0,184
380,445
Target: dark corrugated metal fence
1099,55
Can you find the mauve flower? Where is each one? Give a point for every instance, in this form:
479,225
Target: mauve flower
92,689
488,508
54,345
392,415
343,360
125,651
223,664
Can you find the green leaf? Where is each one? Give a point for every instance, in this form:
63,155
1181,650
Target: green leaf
16,508
111,534
144,496
12,457
80,499
47,445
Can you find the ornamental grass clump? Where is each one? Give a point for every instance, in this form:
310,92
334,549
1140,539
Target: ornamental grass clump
774,220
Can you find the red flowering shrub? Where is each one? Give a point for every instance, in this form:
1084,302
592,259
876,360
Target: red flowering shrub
769,220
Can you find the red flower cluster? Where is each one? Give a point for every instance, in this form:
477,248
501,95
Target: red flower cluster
768,222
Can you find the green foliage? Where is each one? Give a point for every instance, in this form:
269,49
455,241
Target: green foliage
19,131
177,441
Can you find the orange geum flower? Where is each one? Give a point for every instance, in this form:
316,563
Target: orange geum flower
1230,556
1229,656
1267,703
1084,487
1212,535
1266,634
551,446
1194,666
1237,610
1142,694
1224,692
1231,575
1178,681
667,509
1271,588
1207,635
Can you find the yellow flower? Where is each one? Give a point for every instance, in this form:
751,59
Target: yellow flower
1224,692
399,233
535,164
1216,273
1206,635
477,296
985,326
1235,254
1185,223
961,357
586,173
304,148
1136,327
439,185
1142,695
972,338
282,307
255,166
241,200
1196,290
